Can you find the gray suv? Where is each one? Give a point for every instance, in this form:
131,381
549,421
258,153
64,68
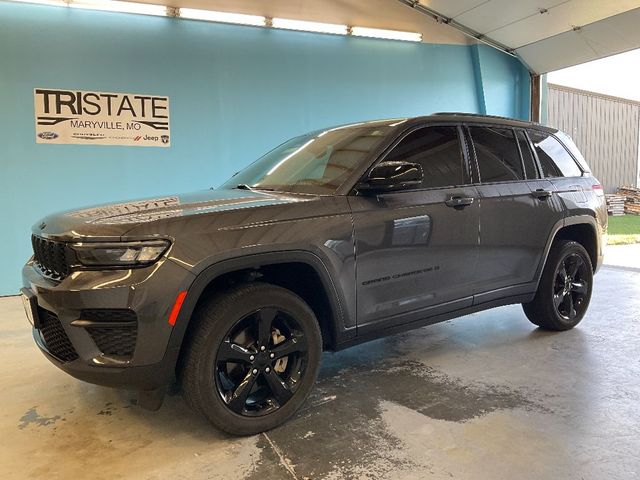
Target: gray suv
331,239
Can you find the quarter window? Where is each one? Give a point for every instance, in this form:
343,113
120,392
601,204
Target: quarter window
497,154
554,158
437,149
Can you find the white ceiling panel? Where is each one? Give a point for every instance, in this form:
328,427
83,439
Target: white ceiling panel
553,53
610,36
558,19
499,13
547,34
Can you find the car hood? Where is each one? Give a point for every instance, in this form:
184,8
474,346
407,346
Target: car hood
103,222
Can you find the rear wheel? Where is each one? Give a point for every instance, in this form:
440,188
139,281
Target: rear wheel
253,358
564,290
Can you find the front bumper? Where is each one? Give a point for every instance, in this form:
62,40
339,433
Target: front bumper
70,342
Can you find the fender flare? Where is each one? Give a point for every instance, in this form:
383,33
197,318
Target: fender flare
559,225
213,271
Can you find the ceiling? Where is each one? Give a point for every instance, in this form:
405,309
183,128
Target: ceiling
546,34
387,14
550,34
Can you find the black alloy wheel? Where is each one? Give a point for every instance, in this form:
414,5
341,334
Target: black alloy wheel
564,290
251,358
260,362
571,287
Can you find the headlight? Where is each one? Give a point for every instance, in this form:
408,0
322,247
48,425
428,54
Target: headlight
120,253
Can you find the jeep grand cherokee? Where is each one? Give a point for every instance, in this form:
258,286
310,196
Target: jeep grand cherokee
331,239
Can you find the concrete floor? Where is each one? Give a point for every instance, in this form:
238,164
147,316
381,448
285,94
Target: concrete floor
487,396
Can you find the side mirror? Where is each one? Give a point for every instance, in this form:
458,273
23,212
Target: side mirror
391,176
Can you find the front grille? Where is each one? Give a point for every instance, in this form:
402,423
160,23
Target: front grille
119,341
52,258
117,333
55,338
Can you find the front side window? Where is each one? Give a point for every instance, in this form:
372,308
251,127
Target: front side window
497,153
437,150
315,163
554,158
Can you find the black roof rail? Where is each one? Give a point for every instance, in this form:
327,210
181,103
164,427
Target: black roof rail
480,115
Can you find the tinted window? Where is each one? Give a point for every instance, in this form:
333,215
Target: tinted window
437,149
497,153
554,159
569,143
527,157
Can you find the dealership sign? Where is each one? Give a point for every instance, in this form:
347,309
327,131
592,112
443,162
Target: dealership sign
100,118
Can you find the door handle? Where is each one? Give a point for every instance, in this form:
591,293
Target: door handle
458,202
541,193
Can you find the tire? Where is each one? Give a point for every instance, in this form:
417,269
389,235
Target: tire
224,352
562,299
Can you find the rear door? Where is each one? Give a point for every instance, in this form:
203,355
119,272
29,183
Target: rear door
559,169
513,219
416,253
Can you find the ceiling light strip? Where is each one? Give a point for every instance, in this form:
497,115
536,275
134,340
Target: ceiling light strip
53,3
122,7
222,17
287,24
386,34
232,18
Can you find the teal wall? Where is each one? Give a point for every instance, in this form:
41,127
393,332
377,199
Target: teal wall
234,93
502,83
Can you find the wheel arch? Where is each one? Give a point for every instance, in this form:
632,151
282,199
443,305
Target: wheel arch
318,291
580,228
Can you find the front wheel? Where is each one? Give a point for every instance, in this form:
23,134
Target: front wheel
252,359
564,290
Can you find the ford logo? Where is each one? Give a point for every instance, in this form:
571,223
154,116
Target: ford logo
48,135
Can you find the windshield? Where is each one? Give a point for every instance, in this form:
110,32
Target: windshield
318,162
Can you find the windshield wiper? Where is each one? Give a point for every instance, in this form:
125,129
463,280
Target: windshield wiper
244,186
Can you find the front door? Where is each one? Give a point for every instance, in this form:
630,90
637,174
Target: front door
416,250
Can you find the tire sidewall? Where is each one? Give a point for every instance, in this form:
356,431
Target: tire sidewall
212,405
563,251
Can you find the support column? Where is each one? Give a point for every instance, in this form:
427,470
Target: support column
477,77
536,87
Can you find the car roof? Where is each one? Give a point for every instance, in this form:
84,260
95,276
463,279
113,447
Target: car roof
454,117
479,118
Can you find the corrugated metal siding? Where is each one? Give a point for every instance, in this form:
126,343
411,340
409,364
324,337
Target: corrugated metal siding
605,129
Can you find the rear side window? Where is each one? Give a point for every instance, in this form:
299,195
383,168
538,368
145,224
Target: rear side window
527,156
554,158
437,149
497,153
